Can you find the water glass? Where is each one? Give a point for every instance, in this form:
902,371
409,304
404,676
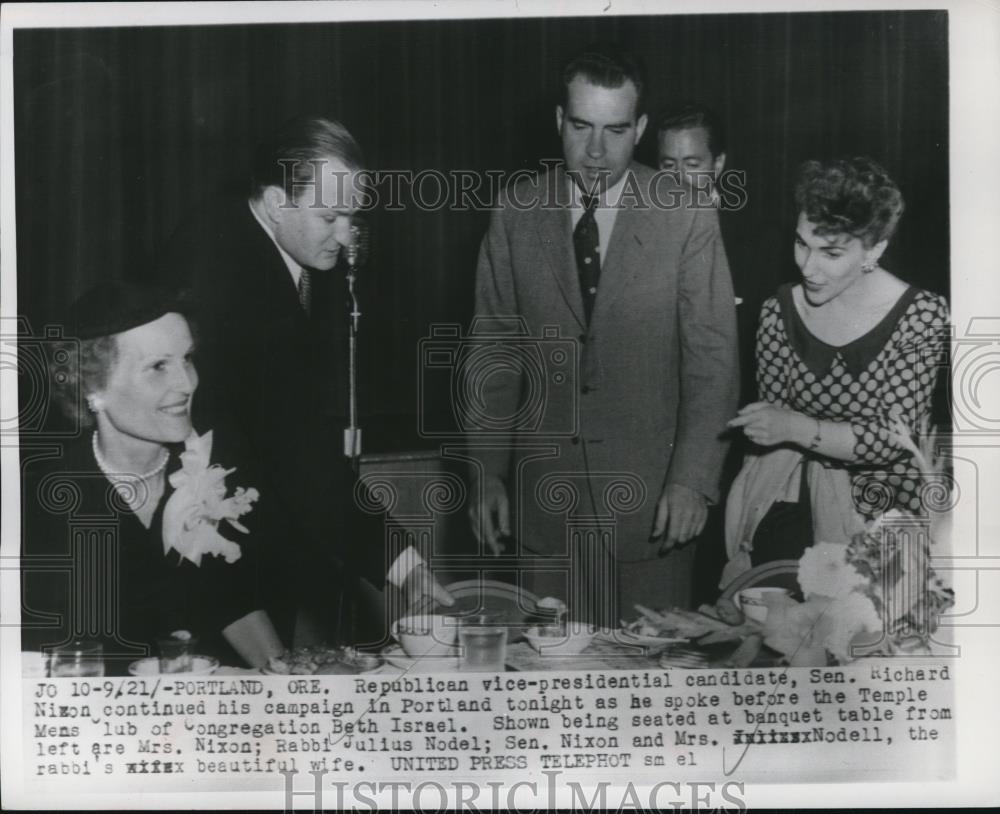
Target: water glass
77,659
483,641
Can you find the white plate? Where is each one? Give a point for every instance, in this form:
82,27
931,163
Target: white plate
475,596
397,657
200,666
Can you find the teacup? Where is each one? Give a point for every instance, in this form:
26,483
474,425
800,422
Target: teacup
753,601
426,635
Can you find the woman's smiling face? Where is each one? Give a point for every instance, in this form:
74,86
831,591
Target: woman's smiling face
149,389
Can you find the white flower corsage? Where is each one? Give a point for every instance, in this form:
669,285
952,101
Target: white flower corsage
193,512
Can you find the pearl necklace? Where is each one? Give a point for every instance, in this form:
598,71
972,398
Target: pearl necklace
119,476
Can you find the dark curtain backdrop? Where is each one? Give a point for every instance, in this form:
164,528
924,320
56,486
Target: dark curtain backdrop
119,133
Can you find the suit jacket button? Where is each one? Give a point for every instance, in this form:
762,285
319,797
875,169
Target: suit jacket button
585,389
575,440
583,339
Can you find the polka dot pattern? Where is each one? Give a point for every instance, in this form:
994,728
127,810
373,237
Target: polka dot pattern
899,379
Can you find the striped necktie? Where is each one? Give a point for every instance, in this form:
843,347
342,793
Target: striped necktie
586,243
305,291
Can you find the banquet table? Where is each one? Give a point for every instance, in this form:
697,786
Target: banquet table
603,653
606,654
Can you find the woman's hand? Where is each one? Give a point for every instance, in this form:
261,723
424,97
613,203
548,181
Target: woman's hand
768,425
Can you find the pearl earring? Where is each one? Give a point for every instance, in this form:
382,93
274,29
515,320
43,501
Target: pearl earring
94,403
868,268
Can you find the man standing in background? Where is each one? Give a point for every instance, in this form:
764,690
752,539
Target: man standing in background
692,142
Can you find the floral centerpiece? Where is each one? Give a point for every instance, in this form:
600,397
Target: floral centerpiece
193,512
874,595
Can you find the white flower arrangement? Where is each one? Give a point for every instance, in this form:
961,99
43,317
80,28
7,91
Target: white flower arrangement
880,582
193,512
825,571
837,611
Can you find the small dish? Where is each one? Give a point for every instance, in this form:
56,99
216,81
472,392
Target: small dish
570,642
200,666
426,634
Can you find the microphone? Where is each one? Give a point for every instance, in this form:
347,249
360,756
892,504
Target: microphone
357,256
357,252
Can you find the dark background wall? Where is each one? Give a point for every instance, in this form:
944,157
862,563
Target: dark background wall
119,133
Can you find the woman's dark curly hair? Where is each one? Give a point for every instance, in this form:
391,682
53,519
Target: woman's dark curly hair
853,196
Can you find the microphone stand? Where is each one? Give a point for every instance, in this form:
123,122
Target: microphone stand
352,433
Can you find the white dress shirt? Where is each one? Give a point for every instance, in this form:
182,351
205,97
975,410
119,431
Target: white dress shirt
293,268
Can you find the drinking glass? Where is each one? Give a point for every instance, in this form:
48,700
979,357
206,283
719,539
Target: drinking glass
77,659
483,640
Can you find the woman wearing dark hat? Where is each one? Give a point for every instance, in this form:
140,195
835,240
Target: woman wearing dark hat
846,366
146,537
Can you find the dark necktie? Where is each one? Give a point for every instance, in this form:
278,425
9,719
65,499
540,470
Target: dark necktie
305,291
586,243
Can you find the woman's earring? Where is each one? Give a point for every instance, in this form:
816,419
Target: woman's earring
867,268
94,403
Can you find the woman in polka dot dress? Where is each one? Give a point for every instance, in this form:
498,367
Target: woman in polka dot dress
840,358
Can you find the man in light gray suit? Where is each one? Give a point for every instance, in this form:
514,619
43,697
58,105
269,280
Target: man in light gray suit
602,480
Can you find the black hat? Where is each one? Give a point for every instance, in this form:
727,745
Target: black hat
114,306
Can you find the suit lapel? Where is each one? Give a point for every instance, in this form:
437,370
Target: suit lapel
314,345
554,232
277,288
634,229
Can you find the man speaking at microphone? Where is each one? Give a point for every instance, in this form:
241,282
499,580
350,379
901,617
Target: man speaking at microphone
273,350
